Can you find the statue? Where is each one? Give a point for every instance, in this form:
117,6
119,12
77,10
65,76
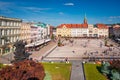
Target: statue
20,53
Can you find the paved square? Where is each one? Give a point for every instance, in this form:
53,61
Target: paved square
83,47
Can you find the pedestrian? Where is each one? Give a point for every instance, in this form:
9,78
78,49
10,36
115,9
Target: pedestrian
73,51
66,59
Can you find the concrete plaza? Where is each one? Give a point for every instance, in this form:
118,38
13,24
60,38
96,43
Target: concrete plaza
82,48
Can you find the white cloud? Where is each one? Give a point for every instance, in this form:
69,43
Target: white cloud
5,7
69,4
114,17
4,4
35,9
61,13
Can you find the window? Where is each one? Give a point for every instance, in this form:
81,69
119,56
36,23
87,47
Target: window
8,31
2,31
90,31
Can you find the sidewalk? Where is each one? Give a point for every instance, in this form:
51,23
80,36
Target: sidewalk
42,51
7,58
77,71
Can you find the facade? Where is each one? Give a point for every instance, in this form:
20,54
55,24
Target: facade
63,30
39,31
103,30
43,30
51,31
33,34
116,30
92,31
25,32
54,31
72,30
9,33
83,30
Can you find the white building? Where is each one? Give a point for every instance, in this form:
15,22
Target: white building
9,33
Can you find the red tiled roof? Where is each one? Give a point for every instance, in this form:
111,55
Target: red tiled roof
73,25
116,26
102,26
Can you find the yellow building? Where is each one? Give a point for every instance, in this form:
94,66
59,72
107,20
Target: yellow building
93,31
83,30
64,30
73,30
25,32
103,30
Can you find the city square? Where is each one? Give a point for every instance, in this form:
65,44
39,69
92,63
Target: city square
83,48
59,40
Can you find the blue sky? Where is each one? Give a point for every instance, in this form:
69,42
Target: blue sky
56,12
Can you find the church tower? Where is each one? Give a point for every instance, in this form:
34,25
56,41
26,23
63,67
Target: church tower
85,20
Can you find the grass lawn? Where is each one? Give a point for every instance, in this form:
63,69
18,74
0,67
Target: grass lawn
92,73
57,71
1,65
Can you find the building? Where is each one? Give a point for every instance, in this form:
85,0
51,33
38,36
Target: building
116,30
51,31
64,30
92,31
73,30
54,31
39,35
33,34
103,30
43,30
9,33
83,30
25,32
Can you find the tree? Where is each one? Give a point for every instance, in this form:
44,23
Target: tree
105,68
59,42
52,37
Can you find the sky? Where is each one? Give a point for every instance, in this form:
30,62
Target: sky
56,12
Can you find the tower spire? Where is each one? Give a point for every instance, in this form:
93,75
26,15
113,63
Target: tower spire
85,19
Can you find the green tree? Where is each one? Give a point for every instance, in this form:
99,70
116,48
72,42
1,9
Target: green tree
52,37
105,68
59,42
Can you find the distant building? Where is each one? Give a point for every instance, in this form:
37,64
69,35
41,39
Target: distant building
43,30
103,30
51,31
72,30
116,30
55,31
25,32
9,33
33,34
82,30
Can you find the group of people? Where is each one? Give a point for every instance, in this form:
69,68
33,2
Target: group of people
103,51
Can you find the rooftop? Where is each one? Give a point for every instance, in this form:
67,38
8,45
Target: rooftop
73,25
